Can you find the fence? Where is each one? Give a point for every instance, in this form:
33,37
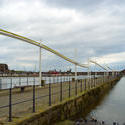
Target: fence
14,103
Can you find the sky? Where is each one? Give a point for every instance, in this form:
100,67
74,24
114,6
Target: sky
95,28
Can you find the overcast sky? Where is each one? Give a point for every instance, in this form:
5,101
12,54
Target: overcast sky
94,27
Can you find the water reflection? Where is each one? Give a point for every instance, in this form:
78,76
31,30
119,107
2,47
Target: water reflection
109,108
112,108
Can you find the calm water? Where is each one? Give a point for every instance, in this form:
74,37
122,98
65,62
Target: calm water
5,82
112,108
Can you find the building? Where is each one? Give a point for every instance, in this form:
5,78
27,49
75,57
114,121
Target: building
53,72
4,68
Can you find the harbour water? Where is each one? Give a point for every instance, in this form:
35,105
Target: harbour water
112,108
5,82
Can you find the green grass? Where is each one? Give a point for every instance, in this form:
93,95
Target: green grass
67,122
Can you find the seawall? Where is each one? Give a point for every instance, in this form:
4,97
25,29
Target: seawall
68,108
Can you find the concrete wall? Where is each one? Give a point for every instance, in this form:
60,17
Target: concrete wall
69,108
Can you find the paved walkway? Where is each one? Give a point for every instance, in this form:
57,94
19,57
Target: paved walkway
41,93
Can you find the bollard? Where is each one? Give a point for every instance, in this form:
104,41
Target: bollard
10,101
43,82
34,95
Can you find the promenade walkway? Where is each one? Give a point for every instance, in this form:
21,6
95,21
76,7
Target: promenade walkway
22,102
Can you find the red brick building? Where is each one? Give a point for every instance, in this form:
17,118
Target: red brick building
4,68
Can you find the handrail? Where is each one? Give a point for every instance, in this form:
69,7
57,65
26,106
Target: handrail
98,64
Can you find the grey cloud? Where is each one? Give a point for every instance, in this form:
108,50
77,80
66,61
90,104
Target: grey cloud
75,4
55,22
85,5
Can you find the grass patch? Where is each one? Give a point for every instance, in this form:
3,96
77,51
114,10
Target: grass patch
67,122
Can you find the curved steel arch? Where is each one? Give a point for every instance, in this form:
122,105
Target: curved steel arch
98,65
16,36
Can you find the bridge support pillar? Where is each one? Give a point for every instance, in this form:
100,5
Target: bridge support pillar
40,73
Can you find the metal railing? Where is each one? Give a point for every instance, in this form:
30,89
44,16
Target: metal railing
56,90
